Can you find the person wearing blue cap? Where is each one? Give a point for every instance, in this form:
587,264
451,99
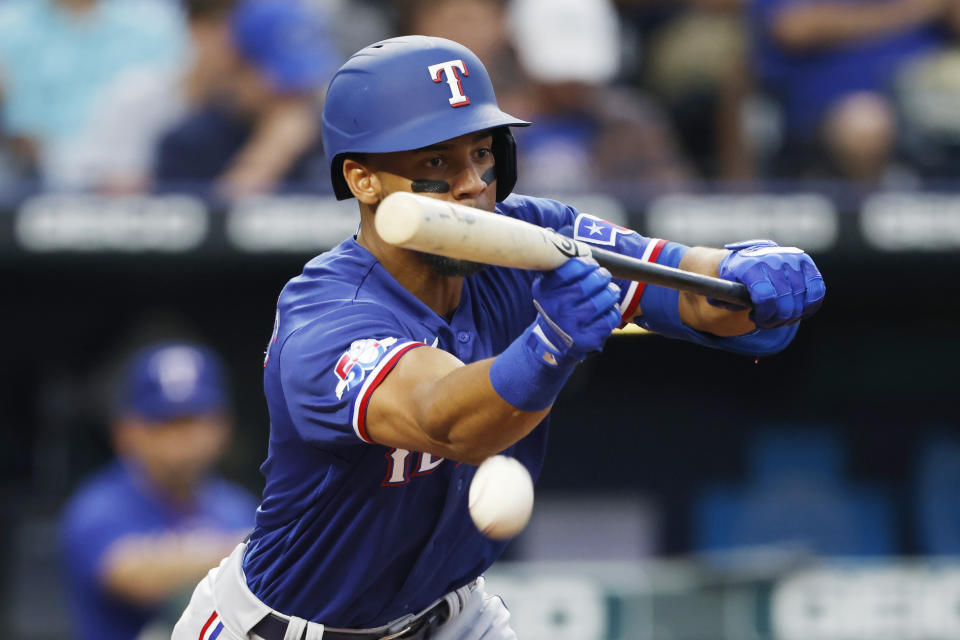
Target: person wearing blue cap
137,534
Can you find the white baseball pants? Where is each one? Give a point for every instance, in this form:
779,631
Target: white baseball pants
223,608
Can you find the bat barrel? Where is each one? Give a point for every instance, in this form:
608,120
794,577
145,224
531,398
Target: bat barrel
448,229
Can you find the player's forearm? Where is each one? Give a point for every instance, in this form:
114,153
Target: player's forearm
467,420
814,25
694,309
432,402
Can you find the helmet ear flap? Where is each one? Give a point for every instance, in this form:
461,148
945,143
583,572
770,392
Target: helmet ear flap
505,155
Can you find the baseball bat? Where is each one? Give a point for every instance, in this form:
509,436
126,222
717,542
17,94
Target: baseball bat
444,228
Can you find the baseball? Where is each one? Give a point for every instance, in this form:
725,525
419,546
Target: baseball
501,497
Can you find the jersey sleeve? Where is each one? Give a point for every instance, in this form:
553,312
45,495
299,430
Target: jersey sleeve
612,237
542,212
330,368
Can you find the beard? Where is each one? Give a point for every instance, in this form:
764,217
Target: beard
444,266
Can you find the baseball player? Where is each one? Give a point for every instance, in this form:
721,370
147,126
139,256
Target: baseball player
391,374
141,532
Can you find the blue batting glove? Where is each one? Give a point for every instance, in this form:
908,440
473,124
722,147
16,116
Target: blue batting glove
784,283
576,312
577,305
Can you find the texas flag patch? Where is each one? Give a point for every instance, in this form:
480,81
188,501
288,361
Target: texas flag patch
594,230
361,357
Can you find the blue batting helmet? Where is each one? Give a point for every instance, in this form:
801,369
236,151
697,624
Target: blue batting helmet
410,92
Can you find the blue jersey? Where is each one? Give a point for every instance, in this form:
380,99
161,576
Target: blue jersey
350,533
115,503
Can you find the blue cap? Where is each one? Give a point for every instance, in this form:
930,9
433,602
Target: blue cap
287,40
173,380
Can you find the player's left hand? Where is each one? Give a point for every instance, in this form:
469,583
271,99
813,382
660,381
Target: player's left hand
784,283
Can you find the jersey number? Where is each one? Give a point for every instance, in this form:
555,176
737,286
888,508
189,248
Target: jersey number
398,466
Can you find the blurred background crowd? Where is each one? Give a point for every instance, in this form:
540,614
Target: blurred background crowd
845,446
121,97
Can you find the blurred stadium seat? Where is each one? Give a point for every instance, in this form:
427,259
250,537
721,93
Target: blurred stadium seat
795,497
937,506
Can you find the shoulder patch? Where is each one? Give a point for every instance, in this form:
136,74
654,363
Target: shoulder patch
362,356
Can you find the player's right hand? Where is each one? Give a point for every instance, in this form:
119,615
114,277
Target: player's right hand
577,305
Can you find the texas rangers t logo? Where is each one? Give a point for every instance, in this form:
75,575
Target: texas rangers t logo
449,71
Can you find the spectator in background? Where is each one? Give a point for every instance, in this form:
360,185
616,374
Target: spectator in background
146,528
587,131
55,58
259,129
830,65
692,56
115,150
360,22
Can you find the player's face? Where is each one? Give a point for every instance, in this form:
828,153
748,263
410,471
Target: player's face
460,170
175,454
